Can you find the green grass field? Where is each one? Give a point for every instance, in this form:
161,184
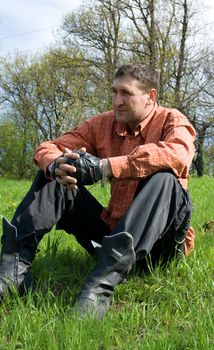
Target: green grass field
166,310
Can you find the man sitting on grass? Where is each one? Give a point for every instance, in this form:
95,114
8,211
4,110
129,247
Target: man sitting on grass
145,150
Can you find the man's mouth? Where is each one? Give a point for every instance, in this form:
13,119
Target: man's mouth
119,111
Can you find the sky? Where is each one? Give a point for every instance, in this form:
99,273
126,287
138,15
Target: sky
31,25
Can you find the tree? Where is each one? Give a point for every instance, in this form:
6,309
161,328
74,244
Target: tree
45,92
165,40
204,119
209,159
40,99
52,92
143,38
98,30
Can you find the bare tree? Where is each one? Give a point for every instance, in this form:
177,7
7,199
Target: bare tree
97,29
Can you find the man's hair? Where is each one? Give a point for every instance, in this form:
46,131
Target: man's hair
147,75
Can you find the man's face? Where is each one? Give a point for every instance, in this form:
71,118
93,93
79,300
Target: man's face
130,103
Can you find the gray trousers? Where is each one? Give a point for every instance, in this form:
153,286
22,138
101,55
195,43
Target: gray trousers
158,218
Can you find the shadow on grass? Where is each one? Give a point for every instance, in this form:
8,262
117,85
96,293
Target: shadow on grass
62,266
68,268
60,271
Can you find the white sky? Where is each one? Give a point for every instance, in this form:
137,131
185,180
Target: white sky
39,18
31,25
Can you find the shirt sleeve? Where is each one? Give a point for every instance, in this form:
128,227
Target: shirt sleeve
174,152
48,151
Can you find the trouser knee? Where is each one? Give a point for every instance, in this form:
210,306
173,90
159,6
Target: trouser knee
163,177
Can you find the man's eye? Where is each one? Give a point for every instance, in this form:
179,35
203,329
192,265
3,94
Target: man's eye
125,92
121,92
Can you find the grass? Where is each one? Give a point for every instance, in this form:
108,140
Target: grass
166,310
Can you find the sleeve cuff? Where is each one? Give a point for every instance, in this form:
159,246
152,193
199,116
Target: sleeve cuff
44,162
120,166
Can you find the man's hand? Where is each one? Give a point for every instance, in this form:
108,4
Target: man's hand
62,172
76,168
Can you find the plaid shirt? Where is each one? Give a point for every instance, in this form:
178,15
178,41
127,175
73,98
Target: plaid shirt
164,140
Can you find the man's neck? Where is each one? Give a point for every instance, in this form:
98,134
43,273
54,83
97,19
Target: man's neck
132,126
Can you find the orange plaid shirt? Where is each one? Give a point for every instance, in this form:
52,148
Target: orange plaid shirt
164,140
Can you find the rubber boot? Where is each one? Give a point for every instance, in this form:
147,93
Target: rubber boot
116,259
14,269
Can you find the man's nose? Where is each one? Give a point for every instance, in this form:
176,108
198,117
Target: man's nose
117,100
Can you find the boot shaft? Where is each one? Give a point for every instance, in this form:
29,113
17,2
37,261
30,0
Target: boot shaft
116,259
117,256
14,268
12,244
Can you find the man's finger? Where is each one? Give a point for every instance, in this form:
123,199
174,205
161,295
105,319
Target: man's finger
67,181
82,149
60,160
67,168
72,154
67,150
60,172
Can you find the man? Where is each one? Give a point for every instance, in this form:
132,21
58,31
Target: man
146,151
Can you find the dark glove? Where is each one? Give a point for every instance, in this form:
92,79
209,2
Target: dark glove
87,168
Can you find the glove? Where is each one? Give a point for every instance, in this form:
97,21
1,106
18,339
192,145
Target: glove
87,168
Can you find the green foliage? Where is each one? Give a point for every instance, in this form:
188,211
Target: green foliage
48,91
16,150
42,97
165,309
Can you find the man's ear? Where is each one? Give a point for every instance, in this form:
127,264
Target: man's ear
153,95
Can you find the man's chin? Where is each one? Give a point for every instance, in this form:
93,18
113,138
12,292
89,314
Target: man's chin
121,117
